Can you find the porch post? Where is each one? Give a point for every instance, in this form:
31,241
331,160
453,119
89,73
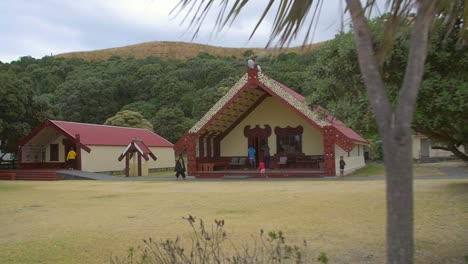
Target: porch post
139,164
208,147
78,151
20,156
201,146
192,154
217,147
329,151
127,164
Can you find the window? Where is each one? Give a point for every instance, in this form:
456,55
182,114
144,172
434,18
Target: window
290,143
54,152
289,140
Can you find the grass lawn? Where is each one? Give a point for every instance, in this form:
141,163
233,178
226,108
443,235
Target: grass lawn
88,221
420,169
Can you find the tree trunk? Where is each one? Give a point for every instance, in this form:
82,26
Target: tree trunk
452,148
395,126
399,181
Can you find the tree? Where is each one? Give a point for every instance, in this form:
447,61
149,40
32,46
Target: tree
21,110
170,123
127,118
393,120
443,100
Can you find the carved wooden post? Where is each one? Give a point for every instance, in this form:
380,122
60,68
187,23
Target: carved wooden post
329,151
20,157
78,151
127,164
208,147
139,164
201,146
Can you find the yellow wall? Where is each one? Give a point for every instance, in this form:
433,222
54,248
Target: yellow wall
273,113
104,158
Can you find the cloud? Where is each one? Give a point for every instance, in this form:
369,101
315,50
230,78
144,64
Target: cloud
39,28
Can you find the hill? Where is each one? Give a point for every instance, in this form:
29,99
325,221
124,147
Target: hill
180,50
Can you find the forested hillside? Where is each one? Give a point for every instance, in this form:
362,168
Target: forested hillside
172,94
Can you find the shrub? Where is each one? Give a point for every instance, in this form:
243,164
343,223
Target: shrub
208,246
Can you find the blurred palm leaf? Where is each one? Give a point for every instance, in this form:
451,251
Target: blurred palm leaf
292,15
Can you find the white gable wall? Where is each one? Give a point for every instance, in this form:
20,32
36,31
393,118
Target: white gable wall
353,162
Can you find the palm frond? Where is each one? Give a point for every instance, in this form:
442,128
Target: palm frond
291,15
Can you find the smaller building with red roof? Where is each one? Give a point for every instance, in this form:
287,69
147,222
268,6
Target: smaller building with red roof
98,147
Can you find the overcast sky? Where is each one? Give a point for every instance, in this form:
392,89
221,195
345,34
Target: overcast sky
42,27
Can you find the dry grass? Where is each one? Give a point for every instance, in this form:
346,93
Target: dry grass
87,221
180,50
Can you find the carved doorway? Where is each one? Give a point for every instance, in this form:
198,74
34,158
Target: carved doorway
257,137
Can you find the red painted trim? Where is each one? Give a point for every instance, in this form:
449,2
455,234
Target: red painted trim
78,151
67,135
257,131
50,123
285,131
329,150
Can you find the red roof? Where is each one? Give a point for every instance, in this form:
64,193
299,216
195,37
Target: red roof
348,132
138,146
102,135
293,93
340,126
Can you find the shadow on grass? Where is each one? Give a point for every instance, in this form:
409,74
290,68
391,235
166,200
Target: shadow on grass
11,187
375,169
461,187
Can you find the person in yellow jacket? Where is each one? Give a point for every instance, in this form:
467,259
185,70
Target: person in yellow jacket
71,159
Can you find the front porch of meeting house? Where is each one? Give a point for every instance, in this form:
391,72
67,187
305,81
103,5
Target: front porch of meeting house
304,141
286,156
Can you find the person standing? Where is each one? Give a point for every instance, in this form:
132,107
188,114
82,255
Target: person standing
342,166
71,159
253,163
266,156
180,167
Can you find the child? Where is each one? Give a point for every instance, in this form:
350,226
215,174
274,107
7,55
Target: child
342,165
261,167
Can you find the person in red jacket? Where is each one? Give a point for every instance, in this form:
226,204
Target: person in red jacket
261,167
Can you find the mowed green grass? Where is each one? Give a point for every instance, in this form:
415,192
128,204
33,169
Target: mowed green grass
419,169
88,221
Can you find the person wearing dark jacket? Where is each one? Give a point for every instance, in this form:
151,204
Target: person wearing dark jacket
180,167
342,165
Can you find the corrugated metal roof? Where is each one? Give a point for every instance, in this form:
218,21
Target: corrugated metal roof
348,132
102,135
